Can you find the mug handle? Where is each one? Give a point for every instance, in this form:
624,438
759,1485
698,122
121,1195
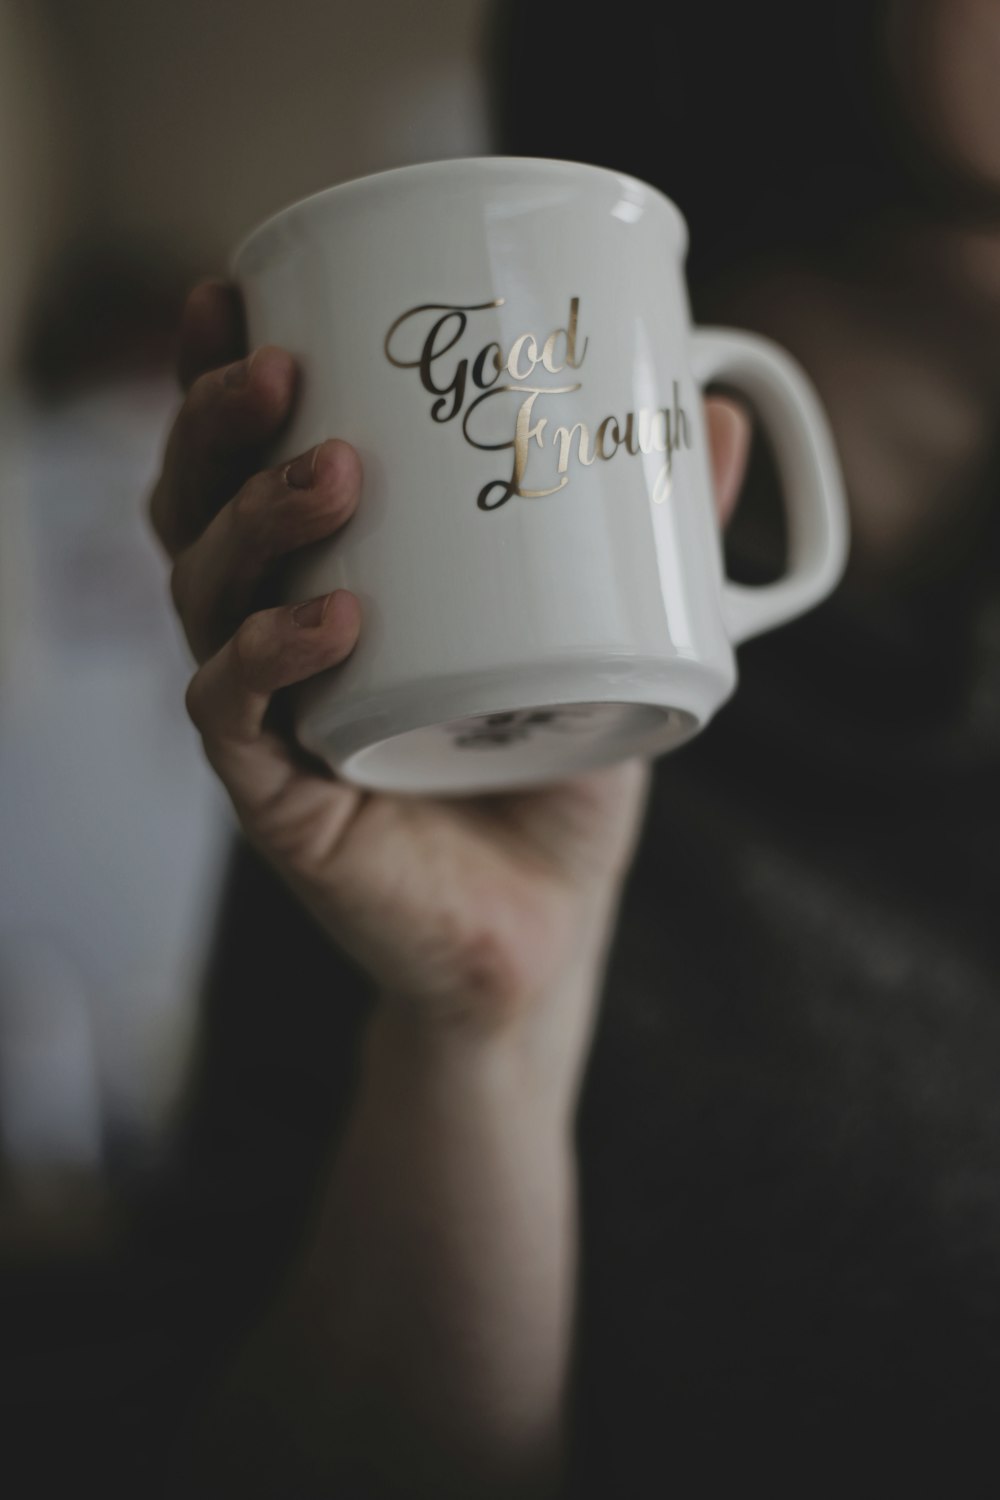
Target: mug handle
783,397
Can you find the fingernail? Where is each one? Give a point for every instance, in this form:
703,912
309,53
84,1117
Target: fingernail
237,375
307,616
299,473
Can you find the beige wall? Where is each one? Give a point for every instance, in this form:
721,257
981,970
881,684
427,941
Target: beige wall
201,116
178,125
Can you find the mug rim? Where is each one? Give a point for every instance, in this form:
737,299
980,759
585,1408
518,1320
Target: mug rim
276,222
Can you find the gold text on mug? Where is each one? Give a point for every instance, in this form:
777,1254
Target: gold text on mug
662,429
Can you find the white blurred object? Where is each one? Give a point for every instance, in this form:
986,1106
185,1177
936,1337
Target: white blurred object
112,827
15,544
120,124
50,1096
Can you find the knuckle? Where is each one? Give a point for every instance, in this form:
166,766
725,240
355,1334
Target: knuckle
270,518
250,647
247,500
253,519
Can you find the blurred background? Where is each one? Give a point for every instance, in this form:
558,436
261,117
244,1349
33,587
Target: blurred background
822,1178
138,143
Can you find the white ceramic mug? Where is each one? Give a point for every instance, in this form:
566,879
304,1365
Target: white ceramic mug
507,343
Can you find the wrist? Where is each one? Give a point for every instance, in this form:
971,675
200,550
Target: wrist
411,1056
532,1050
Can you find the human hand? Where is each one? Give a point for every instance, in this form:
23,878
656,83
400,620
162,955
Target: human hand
462,910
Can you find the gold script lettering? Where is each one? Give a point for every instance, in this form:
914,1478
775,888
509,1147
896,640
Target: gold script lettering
524,432
569,334
662,429
479,367
602,432
564,437
525,341
429,352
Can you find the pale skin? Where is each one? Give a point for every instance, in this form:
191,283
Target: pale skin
424,1337
483,924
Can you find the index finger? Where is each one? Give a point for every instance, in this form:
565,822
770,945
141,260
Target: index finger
212,331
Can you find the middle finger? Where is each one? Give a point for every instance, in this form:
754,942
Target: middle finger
215,580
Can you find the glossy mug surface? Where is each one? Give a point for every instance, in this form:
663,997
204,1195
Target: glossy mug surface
508,345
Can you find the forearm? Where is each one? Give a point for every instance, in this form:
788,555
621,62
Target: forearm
445,1266
422,1345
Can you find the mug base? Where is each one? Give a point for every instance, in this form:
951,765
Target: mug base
524,747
